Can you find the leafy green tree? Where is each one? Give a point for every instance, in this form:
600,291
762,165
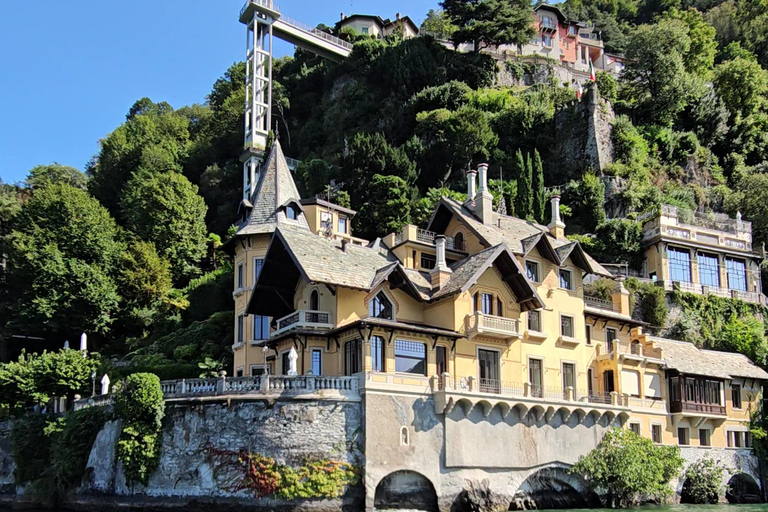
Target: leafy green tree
744,335
437,24
587,198
700,57
724,18
424,207
154,137
742,84
630,467
703,483
656,72
63,373
17,383
387,206
750,197
42,175
537,184
451,141
63,252
165,209
487,23
524,198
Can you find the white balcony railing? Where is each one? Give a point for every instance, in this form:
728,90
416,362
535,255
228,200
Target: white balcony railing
492,326
302,319
596,302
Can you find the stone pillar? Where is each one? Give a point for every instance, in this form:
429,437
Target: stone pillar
446,380
614,398
569,393
471,381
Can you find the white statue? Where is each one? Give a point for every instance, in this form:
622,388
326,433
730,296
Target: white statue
66,345
105,384
83,342
292,358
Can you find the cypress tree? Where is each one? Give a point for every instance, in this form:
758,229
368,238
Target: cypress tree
524,200
539,198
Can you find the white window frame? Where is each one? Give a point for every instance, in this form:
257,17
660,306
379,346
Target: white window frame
240,276
346,225
255,267
709,436
240,331
527,321
687,435
241,370
639,427
575,364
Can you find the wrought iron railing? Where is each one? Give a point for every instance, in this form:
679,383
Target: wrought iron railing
303,319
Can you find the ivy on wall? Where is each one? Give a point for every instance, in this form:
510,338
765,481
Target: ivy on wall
242,470
719,323
652,301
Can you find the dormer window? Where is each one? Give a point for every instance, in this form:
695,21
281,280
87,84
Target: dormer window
291,212
343,225
381,307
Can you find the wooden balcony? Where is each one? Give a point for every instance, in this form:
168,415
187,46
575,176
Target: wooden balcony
479,324
681,406
304,320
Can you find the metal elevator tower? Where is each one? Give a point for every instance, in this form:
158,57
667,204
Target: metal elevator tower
263,22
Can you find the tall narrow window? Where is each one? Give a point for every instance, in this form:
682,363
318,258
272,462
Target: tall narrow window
488,366
566,326
590,384
610,335
566,279
679,264
260,327
476,302
343,225
609,386
736,396
535,377
240,276
704,437
709,269
381,307
377,354
569,378
683,436
314,301
656,434
532,270
588,334
285,363
317,361
458,242
534,321
240,328
487,304
258,263
353,357
441,360
291,213
737,274
499,307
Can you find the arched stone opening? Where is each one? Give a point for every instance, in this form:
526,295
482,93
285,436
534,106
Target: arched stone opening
742,488
686,496
406,490
554,488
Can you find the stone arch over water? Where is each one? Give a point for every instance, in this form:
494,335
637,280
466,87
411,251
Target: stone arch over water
406,490
551,488
742,488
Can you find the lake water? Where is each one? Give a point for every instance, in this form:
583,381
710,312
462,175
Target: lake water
665,508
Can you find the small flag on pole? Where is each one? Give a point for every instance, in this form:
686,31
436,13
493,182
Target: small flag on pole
592,75
579,90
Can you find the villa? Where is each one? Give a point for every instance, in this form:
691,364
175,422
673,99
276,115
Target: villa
481,318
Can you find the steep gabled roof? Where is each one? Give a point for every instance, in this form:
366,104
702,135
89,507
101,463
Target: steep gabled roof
275,190
467,271
520,236
295,253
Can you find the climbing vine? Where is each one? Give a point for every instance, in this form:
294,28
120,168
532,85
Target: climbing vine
139,404
242,470
652,300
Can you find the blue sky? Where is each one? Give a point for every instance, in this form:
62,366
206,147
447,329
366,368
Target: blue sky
70,70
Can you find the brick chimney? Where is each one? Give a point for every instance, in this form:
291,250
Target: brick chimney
440,275
557,226
483,198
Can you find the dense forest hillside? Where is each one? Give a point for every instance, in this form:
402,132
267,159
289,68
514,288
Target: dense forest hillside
129,249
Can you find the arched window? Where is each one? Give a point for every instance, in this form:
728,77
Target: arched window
381,307
290,212
314,301
458,241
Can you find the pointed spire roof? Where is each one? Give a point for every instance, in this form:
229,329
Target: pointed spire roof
275,192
